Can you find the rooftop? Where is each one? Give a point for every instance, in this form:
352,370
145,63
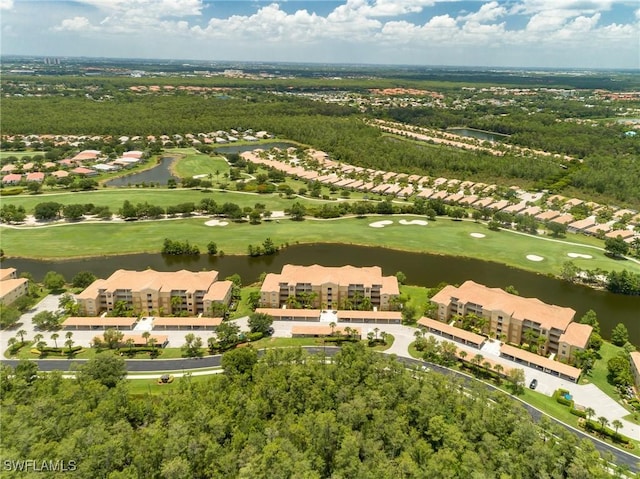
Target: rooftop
547,315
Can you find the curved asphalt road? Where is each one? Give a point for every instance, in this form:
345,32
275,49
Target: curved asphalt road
149,365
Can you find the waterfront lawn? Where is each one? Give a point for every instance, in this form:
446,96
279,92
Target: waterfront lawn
441,237
244,308
192,163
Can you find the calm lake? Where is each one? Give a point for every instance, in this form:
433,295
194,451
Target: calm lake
479,134
158,174
421,269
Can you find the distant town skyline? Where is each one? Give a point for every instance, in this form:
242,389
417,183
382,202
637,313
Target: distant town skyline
509,33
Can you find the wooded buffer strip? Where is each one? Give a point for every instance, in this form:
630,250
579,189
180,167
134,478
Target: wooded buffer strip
287,416
608,172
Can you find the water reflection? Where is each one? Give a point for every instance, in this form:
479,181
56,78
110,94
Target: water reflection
420,268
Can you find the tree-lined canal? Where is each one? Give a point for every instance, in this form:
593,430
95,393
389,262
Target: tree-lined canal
421,269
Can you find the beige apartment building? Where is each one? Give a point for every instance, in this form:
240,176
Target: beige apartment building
325,287
12,287
152,292
510,316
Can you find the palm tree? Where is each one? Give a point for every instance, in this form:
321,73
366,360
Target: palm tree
376,330
348,331
463,354
383,336
37,338
590,412
152,342
69,335
69,343
617,424
12,342
130,342
332,325
54,338
604,422
477,359
21,333
146,335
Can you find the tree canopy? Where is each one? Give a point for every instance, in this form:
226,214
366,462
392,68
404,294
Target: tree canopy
287,416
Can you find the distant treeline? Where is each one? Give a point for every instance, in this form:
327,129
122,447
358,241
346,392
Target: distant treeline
610,160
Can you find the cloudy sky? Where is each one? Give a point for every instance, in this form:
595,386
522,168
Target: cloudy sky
518,33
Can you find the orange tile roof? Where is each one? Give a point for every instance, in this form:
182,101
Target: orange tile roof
541,361
345,275
104,322
149,279
179,321
451,330
494,299
577,334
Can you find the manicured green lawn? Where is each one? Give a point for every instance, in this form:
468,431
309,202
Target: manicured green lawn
441,237
598,374
390,338
244,308
20,154
115,197
192,163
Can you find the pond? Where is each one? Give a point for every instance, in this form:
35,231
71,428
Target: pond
420,268
161,173
479,134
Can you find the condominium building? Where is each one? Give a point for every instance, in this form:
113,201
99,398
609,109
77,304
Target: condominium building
12,287
156,293
515,319
345,287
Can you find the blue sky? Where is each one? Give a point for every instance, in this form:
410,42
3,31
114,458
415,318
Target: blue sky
511,33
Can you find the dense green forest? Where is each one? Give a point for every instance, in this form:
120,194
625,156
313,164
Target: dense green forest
287,415
607,173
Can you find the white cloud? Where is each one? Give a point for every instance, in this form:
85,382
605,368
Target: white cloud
488,12
6,4
75,24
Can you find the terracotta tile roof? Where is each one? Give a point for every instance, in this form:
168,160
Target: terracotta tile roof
494,299
319,330
577,334
180,321
541,361
102,322
451,330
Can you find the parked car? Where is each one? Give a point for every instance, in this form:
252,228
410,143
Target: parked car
533,384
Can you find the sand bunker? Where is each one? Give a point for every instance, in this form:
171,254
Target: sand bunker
477,235
413,222
578,255
534,257
381,224
216,223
